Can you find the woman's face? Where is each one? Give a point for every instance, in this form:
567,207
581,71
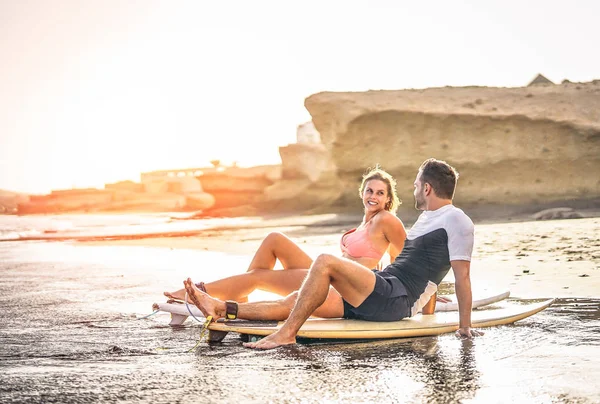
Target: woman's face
375,195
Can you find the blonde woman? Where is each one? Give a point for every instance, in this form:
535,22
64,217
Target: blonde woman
379,231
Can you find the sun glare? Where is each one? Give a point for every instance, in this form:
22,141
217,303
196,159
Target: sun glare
101,96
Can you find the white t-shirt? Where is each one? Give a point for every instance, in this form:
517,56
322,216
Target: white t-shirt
458,226
437,237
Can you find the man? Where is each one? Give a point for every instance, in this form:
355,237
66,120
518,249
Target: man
336,287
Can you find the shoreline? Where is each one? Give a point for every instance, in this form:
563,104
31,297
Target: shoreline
303,224
532,259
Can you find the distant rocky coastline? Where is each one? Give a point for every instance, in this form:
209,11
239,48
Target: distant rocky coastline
9,201
517,150
206,190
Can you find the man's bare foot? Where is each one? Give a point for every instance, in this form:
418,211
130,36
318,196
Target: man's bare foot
274,340
209,306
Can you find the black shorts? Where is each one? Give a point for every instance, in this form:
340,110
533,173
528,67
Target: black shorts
387,302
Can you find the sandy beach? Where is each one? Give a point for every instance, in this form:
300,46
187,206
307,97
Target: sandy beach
147,144
75,318
532,259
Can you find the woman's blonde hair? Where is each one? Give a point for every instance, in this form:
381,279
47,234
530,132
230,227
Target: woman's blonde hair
379,174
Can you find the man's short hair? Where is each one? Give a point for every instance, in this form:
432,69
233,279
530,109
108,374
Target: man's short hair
441,176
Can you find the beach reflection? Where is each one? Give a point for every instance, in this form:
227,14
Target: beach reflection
422,369
535,360
70,332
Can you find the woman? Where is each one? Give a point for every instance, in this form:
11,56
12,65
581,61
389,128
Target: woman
379,231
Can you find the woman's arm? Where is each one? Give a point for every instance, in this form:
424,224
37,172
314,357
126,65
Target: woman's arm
395,233
429,308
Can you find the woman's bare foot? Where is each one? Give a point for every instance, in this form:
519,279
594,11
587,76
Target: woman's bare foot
274,340
443,299
180,295
209,306
177,295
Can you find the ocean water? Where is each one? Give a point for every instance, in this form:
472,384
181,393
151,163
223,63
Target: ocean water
106,226
71,330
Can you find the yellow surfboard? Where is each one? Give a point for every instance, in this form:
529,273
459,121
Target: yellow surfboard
180,312
417,326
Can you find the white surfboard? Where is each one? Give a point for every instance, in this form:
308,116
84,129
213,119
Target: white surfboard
477,301
416,326
179,311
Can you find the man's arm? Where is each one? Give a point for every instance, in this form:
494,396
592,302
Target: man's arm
462,277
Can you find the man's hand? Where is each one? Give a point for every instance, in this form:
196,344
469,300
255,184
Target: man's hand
468,332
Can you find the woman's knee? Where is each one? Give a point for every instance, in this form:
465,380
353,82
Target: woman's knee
273,238
275,235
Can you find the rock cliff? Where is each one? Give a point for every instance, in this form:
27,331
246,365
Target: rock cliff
10,200
527,145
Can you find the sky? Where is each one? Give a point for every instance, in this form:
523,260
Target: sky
98,91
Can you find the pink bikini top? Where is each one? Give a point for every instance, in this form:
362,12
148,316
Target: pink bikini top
357,244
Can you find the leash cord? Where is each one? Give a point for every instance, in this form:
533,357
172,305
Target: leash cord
151,314
202,332
190,310
205,323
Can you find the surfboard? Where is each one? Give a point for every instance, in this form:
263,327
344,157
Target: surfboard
477,301
416,326
179,312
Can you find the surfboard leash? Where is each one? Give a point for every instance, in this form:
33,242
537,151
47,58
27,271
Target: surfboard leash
202,333
204,323
187,306
151,314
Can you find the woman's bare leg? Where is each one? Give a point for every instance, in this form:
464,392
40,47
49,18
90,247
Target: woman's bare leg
276,246
238,287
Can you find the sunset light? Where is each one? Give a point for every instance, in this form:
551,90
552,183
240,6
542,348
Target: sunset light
331,201
97,92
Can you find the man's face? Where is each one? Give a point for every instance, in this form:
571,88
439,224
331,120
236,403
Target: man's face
419,193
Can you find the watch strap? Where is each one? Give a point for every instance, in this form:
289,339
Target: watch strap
231,310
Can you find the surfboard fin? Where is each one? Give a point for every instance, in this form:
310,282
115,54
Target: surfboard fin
177,319
216,336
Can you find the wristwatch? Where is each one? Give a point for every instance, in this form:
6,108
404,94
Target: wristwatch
231,310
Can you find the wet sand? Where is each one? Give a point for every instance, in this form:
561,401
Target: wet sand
72,331
72,327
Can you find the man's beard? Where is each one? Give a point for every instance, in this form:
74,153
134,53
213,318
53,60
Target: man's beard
420,201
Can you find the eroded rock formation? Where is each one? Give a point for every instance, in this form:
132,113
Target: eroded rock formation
510,145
